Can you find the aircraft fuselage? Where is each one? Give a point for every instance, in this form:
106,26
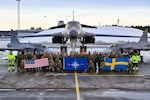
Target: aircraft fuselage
73,29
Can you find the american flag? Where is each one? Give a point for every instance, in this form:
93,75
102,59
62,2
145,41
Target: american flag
36,63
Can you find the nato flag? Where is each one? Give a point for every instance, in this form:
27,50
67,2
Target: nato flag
75,63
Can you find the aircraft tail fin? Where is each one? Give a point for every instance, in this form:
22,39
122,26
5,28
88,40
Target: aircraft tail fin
73,15
14,38
144,38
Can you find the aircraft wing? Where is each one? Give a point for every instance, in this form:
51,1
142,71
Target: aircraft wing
41,35
138,48
63,26
144,48
44,35
59,26
58,34
4,49
114,32
90,34
17,48
107,35
87,26
87,34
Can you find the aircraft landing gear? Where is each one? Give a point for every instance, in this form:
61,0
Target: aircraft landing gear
82,49
63,49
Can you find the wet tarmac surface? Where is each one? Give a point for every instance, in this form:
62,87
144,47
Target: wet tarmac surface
71,95
63,86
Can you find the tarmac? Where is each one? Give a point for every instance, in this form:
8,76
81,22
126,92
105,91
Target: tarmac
75,85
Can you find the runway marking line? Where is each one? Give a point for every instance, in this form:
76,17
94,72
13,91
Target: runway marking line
77,85
110,75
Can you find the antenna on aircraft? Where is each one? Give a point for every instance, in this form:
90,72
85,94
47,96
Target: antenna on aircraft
73,15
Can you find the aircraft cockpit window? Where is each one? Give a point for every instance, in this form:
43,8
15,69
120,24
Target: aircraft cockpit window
116,44
75,25
113,45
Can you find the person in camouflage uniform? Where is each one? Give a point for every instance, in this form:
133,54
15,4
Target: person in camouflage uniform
39,56
91,67
130,67
57,57
19,60
43,68
29,56
90,57
59,67
52,65
112,55
97,62
25,56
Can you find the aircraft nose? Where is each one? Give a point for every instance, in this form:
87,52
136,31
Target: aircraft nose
73,34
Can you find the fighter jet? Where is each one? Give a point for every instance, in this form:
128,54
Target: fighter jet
142,44
15,45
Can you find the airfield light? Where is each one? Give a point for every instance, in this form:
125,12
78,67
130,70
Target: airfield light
118,22
45,22
99,23
18,14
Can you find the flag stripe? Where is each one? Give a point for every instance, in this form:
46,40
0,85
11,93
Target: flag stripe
116,63
37,63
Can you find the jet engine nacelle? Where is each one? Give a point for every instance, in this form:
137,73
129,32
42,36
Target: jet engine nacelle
57,40
89,40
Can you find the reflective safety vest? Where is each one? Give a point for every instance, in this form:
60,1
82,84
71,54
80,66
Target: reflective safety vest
135,59
11,59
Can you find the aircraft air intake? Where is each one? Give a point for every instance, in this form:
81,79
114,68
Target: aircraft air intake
73,34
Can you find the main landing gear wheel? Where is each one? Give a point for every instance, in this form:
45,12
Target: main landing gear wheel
63,49
82,49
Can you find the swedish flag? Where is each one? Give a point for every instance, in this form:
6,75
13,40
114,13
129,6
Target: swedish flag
116,63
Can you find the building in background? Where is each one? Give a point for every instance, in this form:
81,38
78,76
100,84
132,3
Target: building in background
61,22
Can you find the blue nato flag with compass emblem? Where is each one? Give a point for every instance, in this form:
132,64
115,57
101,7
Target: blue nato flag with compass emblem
75,63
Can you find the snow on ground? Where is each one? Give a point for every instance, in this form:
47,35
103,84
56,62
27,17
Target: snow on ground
3,55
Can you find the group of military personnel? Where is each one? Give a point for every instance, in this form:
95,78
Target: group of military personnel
56,60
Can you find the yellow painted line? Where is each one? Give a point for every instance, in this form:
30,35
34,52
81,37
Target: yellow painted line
77,85
110,75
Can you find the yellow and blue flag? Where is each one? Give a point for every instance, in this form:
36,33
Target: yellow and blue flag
116,64
70,63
